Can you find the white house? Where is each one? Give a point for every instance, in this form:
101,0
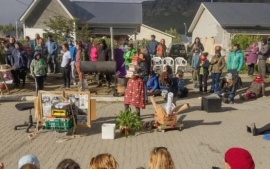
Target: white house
147,31
99,15
217,23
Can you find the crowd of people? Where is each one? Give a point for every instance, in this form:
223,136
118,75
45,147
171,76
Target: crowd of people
159,158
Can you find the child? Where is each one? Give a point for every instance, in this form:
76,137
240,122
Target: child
182,90
227,89
103,161
256,88
160,158
194,64
168,84
203,72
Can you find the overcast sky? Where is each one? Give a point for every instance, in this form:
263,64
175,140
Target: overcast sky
12,9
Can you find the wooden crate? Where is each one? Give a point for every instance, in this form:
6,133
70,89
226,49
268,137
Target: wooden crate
167,120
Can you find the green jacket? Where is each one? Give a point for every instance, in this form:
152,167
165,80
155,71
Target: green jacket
128,56
235,61
38,67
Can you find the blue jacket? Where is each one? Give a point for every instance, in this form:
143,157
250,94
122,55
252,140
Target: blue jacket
152,48
72,50
235,61
195,61
152,83
51,47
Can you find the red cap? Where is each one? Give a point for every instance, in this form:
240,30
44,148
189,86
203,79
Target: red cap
239,158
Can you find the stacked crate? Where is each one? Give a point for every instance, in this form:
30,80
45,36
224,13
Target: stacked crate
61,118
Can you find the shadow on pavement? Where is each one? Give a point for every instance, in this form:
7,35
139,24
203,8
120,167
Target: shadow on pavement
193,123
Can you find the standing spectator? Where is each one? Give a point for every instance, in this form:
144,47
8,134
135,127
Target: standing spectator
79,55
72,50
203,72
263,55
94,52
29,46
9,47
161,49
135,91
238,158
194,65
104,54
217,64
51,47
35,42
38,71
152,48
66,68
19,63
252,57
128,54
89,46
41,48
160,158
236,59
197,45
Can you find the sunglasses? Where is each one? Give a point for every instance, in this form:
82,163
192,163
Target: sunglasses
158,148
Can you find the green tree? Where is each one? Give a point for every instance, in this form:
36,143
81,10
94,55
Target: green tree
245,40
61,28
176,35
83,32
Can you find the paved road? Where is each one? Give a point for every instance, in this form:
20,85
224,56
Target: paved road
200,145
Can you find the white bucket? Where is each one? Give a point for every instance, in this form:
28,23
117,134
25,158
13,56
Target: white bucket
108,131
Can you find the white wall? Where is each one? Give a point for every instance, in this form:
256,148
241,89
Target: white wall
209,31
32,31
146,33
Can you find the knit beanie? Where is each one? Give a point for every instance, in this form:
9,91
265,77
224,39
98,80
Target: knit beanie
239,158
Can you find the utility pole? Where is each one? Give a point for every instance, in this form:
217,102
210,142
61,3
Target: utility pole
16,29
185,28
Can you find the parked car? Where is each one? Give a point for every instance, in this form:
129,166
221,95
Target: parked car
176,50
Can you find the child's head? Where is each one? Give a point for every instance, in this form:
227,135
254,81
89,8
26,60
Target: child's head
104,161
259,79
68,164
160,157
28,161
204,56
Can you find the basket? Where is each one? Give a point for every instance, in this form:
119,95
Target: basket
59,124
162,118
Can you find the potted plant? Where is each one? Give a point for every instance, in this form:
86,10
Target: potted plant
128,122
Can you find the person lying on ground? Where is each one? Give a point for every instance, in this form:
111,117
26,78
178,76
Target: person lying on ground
258,131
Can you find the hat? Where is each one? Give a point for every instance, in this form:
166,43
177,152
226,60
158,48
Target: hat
28,159
239,158
228,76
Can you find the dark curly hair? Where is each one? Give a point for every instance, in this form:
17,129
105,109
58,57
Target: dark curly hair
68,164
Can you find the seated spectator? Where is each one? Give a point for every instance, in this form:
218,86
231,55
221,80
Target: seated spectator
103,161
160,158
29,161
167,85
182,90
256,89
152,84
227,89
258,131
68,164
168,70
238,158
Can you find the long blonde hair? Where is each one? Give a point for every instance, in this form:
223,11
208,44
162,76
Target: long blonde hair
103,161
160,158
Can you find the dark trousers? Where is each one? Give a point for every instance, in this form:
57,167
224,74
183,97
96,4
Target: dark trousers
66,76
17,75
251,69
51,60
101,76
203,82
215,82
39,80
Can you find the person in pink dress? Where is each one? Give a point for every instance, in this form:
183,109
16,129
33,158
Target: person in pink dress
94,53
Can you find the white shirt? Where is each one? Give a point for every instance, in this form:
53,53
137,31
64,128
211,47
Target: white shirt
65,59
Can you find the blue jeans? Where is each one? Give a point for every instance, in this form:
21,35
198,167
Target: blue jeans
227,95
215,82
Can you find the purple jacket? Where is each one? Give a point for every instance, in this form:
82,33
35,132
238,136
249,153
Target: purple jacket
252,55
120,63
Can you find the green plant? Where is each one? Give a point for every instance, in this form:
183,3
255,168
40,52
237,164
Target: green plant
176,35
245,40
128,122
